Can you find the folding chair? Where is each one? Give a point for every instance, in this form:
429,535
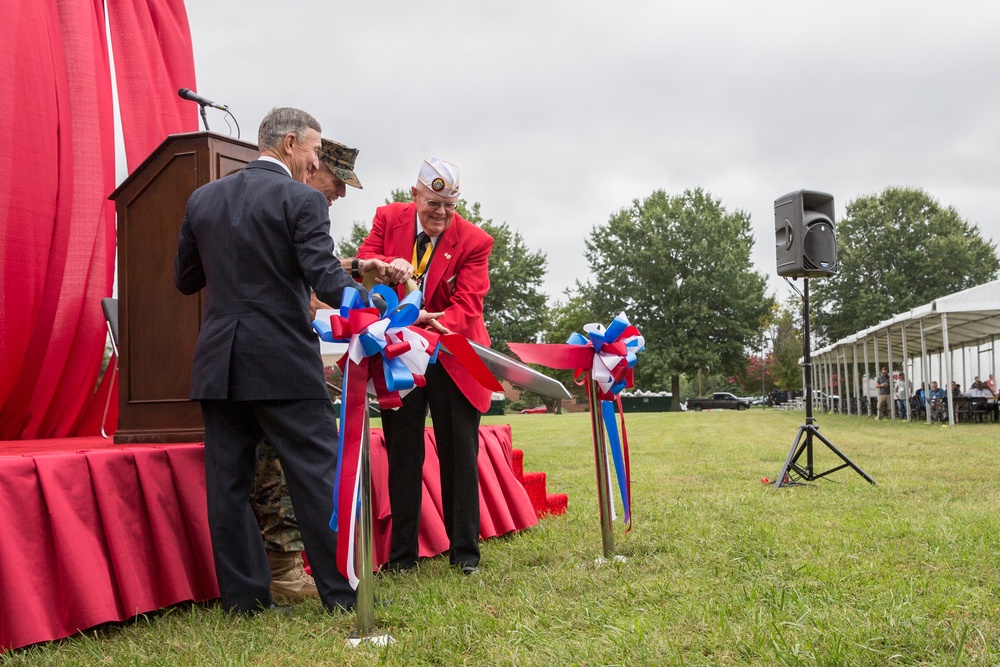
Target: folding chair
110,307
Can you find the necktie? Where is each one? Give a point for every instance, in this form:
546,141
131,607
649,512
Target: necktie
422,251
422,242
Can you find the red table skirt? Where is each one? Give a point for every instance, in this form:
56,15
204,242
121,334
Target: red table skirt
93,533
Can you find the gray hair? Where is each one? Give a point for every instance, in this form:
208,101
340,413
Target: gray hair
281,121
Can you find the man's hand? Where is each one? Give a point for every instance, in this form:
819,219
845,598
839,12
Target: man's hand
381,269
434,324
399,271
426,318
314,305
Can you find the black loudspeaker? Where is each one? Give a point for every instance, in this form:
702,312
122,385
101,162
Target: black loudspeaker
804,239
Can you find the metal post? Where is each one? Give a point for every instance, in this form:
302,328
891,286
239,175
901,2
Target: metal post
831,364
948,372
840,378
907,379
824,380
857,379
892,385
845,385
867,381
817,372
831,368
601,463
925,381
366,588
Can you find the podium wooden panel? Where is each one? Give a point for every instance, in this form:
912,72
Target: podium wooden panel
158,326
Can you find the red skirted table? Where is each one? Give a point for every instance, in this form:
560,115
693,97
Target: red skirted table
95,533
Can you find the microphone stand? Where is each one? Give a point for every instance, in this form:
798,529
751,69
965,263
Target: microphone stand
204,117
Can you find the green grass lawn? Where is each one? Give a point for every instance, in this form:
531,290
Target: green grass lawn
721,569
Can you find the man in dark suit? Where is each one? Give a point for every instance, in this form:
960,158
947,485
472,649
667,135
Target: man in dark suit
449,257
270,499
256,241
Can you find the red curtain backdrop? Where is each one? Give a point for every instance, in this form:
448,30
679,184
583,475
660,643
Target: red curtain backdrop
57,228
153,59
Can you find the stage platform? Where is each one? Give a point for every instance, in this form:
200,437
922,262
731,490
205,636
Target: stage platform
96,532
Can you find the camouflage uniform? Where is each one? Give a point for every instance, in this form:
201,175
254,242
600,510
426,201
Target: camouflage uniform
271,503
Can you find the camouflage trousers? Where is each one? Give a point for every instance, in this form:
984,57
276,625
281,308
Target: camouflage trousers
272,504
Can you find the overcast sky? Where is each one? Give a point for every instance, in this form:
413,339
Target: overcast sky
561,113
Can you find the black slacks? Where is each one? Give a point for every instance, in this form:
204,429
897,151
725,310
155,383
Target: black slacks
304,433
456,430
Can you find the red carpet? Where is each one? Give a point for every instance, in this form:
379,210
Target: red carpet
95,532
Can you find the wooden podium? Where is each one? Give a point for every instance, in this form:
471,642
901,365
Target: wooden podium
158,326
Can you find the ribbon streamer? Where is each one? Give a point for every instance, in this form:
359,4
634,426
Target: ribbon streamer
385,356
606,355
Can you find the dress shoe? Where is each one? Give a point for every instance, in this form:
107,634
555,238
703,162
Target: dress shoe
398,568
469,569
289,581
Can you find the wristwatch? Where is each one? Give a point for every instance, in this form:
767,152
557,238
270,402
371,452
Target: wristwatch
355,269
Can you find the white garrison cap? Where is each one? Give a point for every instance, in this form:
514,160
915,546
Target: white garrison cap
440,176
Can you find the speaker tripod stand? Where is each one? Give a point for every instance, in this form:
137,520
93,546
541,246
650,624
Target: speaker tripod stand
793,472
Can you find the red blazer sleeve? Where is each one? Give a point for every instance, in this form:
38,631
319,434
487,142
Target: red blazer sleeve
460,292
377,245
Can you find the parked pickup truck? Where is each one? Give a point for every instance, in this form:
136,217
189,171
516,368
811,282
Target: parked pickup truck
722,400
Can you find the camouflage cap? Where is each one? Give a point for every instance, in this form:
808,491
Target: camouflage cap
340,159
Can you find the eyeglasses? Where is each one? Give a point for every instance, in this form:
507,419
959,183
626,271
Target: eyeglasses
435,204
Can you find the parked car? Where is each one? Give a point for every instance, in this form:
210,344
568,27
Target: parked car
720,400
779,397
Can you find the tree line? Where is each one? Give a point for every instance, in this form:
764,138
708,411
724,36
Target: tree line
680,267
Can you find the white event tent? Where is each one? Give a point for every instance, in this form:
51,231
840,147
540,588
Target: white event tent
925,340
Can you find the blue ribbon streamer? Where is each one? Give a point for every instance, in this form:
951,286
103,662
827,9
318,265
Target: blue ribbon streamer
397,376
598,339
340,449
611,426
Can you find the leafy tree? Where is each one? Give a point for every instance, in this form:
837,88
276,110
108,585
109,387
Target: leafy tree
897,250
348,247
514,308
680,268
749,379
785,332
565,318
568,317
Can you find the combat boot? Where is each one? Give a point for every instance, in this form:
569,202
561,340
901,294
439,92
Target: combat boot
289,581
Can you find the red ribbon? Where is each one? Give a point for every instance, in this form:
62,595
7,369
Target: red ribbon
458,346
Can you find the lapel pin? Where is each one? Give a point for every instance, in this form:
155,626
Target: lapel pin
447,255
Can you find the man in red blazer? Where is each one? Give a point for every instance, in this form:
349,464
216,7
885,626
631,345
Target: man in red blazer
449,258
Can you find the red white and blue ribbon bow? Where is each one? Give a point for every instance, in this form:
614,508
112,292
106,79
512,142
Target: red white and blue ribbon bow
387,356
607,355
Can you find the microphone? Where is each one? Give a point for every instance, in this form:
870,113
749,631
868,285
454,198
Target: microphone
188,94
